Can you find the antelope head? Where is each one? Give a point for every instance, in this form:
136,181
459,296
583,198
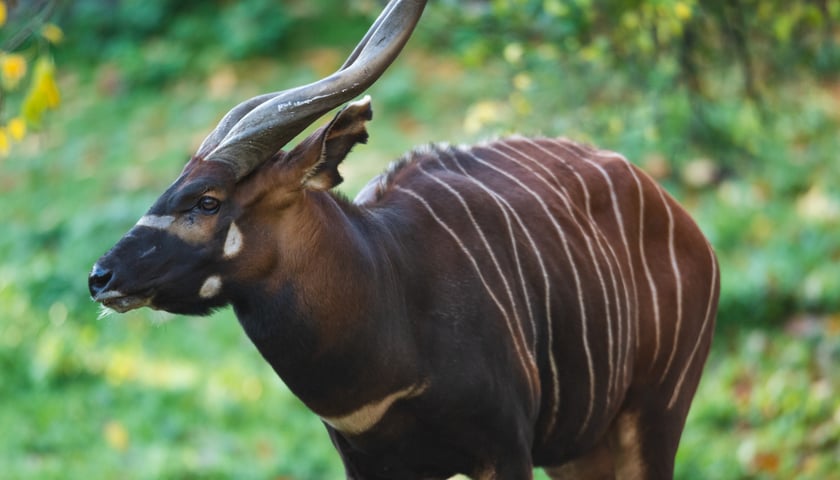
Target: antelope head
205,225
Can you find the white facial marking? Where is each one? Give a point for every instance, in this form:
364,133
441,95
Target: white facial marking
160,222
210,288
368,415
233,242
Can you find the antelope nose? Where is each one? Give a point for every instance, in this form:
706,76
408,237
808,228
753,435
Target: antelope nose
98,280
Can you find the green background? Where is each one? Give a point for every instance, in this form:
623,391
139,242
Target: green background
732,105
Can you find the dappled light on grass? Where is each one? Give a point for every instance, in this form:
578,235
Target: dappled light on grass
116,436
483,114
771,402
122,366
817,205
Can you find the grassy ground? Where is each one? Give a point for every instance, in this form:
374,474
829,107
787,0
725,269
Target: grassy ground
148,396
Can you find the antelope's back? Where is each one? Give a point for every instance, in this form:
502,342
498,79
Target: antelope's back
595,276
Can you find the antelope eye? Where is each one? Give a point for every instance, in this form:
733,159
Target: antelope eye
208,205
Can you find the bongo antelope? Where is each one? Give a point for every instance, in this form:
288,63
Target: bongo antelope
476,309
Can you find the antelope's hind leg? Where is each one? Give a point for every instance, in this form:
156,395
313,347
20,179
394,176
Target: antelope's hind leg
597,464
637,446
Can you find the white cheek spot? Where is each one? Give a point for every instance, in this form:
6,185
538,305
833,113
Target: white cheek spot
160,222
210,288
233,242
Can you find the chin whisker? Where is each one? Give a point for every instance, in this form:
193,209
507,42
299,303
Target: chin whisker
105,312
159,317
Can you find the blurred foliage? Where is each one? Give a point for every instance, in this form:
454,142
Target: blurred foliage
732,105
151,43
767,406
25,38
717,55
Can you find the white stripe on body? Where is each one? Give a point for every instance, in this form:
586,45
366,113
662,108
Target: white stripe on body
474,263
678,280
600,239
575,274
706,322
515,326
622,359
437,154
563,194
654,294
619,218
501,202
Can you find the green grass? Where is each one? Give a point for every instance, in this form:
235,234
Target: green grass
147,396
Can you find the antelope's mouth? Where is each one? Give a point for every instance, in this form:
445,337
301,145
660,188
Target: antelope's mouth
122,303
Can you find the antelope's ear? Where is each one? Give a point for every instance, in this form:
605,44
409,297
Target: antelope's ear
334,143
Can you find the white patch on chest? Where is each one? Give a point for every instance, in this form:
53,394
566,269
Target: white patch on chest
233,242
369,415
160,222
210,288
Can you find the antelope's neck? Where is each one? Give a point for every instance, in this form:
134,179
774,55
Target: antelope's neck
330,320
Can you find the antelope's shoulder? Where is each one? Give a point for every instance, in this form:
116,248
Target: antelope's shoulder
403,171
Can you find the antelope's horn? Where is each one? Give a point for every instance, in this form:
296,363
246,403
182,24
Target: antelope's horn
257,128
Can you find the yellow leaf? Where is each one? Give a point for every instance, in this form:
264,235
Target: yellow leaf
483,113
767,462
33,106
52,33
50,91
115,435
12,69
4,142
43,93
17,128
45,79
2,13
522,81
682,11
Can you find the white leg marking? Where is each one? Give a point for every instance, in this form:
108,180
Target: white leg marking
525,367
367,416
233,241
706,322
678,281
160,222
578,284
210,288
629,461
